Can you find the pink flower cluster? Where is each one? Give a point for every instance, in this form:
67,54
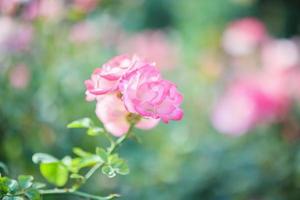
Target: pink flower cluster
130,85
266,78
256,99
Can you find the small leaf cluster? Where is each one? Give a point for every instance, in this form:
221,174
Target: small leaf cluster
70,169
113,164
21,189
68,172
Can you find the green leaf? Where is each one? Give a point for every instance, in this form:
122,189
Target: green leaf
94,131
25,181
81,123
102,154
33,194
108,171
67,161
4,185
118,164
75,165
89,161
43,158
80,152
12,186
86,159
55,172
77,176
123,169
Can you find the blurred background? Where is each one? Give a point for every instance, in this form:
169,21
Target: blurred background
237,63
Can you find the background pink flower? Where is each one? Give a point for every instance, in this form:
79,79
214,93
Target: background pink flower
251,101
280,54
19,76
243,36
234,114
51,10
85,5
14,36
9,6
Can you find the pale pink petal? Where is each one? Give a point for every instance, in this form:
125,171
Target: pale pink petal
111,111
147,123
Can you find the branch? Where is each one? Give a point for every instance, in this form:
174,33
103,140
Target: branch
77,193
120,140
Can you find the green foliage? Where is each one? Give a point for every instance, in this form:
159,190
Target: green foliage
20,189
55,173
114,166
43,158
68,169
102,154
87,123
25,182
53,170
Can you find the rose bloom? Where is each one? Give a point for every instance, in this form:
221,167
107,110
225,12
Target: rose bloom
129,86
106,79
111,111
243,36
145,93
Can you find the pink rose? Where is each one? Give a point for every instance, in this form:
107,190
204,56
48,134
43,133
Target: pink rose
116,67
113,114
98,85
145,93
128,87
106,79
